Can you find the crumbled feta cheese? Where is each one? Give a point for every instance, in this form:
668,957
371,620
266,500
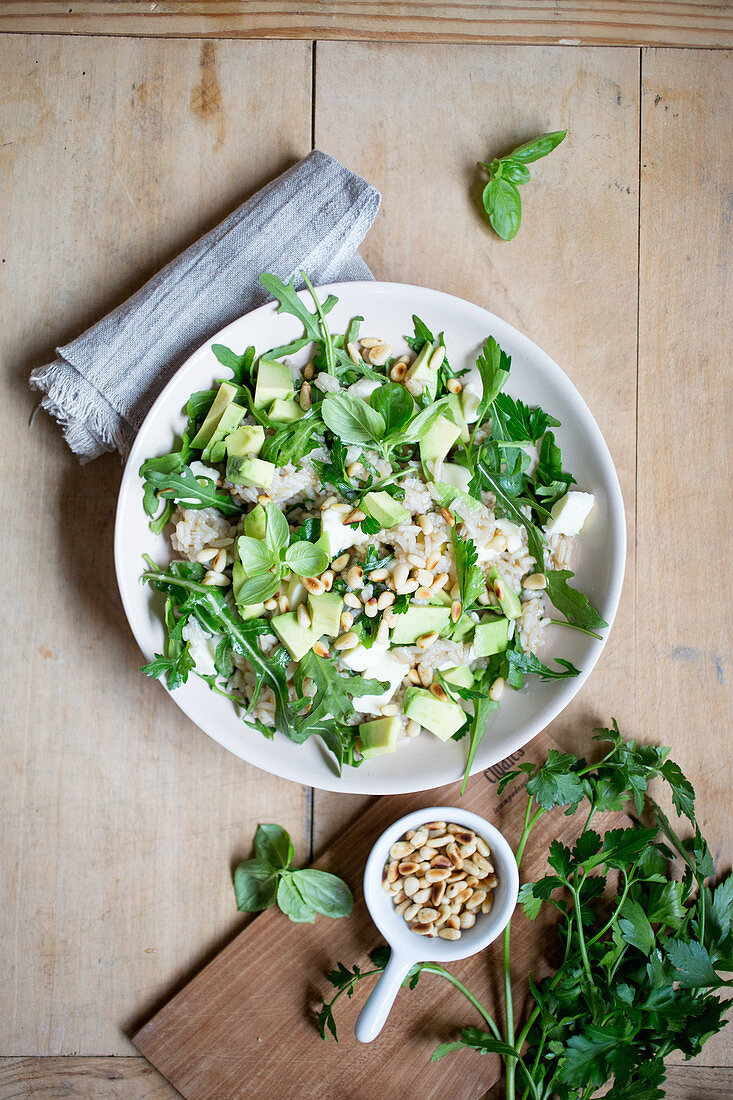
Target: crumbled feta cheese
365,387
202,646
376,663
511,533
199,469
340,537
569,514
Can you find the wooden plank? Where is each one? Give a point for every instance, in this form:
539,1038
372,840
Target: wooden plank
568,280
83,1078
564,22
245,1026
119,819
683,624
698,1083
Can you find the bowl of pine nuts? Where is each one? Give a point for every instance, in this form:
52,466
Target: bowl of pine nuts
440,884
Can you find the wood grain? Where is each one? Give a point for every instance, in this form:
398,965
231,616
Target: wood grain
569,22
683,623
119,819
130,1078
214,1040
569,278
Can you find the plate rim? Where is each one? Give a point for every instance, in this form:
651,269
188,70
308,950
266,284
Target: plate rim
548,714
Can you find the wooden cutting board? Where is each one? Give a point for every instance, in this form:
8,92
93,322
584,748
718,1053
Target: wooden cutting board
245,1026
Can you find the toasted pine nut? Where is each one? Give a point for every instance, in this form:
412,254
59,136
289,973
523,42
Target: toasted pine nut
426,640
370,608
353,353
423,593
352,601
499,588
403,907
355,576
327,579
437,358
370,341
417,560
383,634
436,894
264,499
449,933
425,577
407,867
427,915
425,523
436,874
207,554
483,848
472,880
425,675
423,929
437,690
270,605
476,900
355,516
439,840
304,399
456,610
413,728
497,689
411,911
347,621
492,882
400,849
390,710
346,641
453,385
535,582
467,919
322,650
217,580
448,517
422,895
219,562
355,469
385,600
414,677
488,905
439,583
400,574
410,886
498,543
380,354
304,618
470,867
398,372
309,372
314,585
442,862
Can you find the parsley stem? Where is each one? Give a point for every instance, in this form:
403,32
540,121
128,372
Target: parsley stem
434,968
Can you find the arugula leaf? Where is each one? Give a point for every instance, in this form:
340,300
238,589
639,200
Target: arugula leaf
509,508
292,442
422,336
528,663
183,487
334,689
477,728
287,296
471,580
570,602
326,340
334,472
241,366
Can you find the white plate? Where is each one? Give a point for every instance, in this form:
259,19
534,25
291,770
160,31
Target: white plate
424,762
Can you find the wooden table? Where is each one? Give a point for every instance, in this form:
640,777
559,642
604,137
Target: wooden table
120,821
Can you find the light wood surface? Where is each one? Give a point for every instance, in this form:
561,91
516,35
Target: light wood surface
118,820
563,22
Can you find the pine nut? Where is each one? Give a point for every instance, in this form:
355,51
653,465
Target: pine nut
347,621
390,618
403,907
264,499
270,605
438,692
442,862
340,563
426,524
216,580
492,882
456,610
467,919
453,921
437,358
448,517
425,675
423,593
422,895
378,575
439,840
470,867
322,650
453,889
398,372
353,353
206,555
370,608
346,641
309,372
390,710
418,838
385,600
454,856
305,400
436,894
408,867
439,583
410,886
314,585
483,848
453,385
432,560
534,583
370,341
497,689
423,929
477,899
352,601
383,635
355,576
219,562
426,640
472,880
416,560
483,865
355,469
457,876
499,588
411,911
425,577
449,933
380,354
304,618
400,849
327,580
498,543
400,574
355,516
436,874
427,915
488,905
413,677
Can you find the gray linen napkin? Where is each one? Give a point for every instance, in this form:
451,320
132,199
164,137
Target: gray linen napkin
312,217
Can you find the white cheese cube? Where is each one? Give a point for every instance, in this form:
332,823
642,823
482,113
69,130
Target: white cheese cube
569,514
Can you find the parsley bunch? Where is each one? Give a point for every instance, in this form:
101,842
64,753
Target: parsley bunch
645,936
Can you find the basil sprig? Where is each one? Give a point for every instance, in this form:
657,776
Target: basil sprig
501,198
264,562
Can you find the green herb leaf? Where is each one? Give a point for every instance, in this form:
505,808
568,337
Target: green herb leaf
241,366
305,559
519,661
570,602
503,204
183,487
351,419
323,892
635,927
277,531
256,556
287,296
477,728
493,366
471,580
519,422
291,901
394,404
537,148
273,843
256,589
255,885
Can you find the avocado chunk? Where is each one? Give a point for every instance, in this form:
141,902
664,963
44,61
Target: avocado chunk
254,522
326,613
509,601
249,470
440,716
246,440
297,639
284,410
379,736
295,590
491,637
459,676
457,477
463,628
416,621
455,406
421,373
384,509
438,439
246,611
273,380
224,396
215,449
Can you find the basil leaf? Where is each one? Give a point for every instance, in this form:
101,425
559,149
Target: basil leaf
255,556
537,148
503,204
422,421
273,844
394,404
257,589
351,419
291,901
306,559
277,531
255,883
514,171
323,892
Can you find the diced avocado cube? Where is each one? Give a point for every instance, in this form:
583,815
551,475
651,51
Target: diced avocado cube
438,439
284,410
273,380
384,509
254,522
416,621
421,373
228,421
509,601
379,736
224,396
440,716
458,477
456,410
246,440
441,598
463,628
296,591
491,637
326,613
459,676
249,470
297,639
246,611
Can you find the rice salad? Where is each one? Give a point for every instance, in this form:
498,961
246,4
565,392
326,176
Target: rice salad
367,547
